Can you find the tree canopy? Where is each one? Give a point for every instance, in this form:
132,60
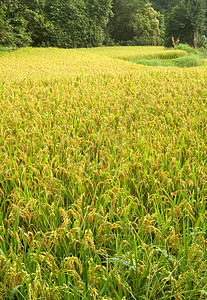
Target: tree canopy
186,21
90,23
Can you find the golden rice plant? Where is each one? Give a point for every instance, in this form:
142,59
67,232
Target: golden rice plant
126,53
103,176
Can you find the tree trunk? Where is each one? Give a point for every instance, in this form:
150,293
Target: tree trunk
195,38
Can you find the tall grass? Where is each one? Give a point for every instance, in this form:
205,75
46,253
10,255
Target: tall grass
188,61
102,178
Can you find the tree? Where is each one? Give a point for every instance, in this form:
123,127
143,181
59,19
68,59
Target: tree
178,26
147,27
134,22
5,29
122,26
186,21
70,21
98,12
196,10
164,6
59,23
78,23
13,26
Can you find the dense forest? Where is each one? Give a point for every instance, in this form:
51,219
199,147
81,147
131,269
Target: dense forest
90,23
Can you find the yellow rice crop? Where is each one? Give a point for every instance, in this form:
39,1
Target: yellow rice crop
135,52
102,178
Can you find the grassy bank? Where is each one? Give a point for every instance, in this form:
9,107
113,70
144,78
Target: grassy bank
192,58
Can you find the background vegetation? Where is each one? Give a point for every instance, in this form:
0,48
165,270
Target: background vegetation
90,23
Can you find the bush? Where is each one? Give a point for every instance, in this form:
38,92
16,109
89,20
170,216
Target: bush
188,49
188,61
202,41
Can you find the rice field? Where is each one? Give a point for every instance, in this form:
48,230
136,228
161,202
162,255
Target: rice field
132,52
103,176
